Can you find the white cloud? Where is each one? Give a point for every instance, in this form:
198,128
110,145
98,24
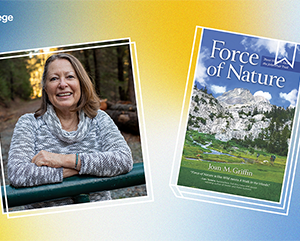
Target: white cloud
218,89
291,97
201,76
267,95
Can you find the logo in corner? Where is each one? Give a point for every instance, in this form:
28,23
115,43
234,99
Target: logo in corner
279,53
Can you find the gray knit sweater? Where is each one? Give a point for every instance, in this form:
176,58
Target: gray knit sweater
101,147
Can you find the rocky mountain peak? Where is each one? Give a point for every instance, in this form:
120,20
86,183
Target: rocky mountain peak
239,96
261,99
235,114
242,98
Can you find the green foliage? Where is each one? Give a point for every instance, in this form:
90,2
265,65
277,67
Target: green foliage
243,113
230,115
211,116
255,111
110,71
252,120
4,92
222,158
191,121
204,89
14,80
227,125
202,120
278,133
213,101
239,148
200,137
273,139
191,151
249,127
203,101
220,115
197,164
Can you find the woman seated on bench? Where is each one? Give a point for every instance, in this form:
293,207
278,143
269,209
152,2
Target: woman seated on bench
68,134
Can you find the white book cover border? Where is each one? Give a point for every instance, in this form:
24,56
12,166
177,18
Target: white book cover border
220,198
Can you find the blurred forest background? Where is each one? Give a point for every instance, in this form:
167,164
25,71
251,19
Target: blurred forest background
110,69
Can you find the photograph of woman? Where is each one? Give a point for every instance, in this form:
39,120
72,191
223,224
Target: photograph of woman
69,134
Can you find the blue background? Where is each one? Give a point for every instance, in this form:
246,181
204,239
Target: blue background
164,35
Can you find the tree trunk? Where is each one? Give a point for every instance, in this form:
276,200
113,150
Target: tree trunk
97,72
11,86
86,62
126,121
130,90
120,55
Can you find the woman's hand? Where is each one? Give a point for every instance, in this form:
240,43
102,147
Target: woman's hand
45,158
67,172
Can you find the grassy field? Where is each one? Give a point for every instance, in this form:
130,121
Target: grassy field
234,169
247,187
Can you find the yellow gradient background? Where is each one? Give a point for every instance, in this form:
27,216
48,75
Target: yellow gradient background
163,32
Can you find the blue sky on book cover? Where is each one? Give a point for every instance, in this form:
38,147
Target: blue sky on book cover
248,62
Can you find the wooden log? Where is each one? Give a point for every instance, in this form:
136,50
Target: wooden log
126,121
124,107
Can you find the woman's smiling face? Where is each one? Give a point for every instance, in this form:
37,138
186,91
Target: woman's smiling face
62,85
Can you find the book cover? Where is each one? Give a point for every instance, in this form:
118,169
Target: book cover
241,118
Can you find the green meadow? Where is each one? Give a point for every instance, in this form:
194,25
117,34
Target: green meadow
233,169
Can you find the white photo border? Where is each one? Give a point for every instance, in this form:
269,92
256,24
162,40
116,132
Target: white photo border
143,135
